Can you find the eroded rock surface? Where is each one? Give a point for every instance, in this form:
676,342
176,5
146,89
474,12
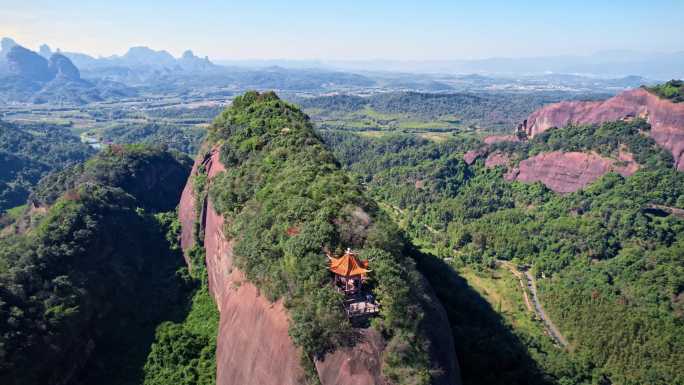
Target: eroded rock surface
566,172
62,67
496,159
666,118
253,346
500,138
471,156
359,365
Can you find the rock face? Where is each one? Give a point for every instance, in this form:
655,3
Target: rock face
28,64
62,67
566,172
144,56
190,62
45,51
666,118
496,159
500,138
359,365
471,156
6,45
253,346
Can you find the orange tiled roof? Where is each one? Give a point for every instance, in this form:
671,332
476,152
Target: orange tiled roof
348,265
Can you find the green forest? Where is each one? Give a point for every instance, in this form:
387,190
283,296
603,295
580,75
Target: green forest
30,151
182,137
94,287
95,290
672,90
418,111
611,261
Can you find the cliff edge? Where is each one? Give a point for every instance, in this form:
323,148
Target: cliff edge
665,117
274,331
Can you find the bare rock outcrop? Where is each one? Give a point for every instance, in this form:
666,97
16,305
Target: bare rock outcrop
497,158
566,172
28,64
359,365
666,118
63,68
471,156
500,138
253,344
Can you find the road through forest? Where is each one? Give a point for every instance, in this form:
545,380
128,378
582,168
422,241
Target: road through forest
551,328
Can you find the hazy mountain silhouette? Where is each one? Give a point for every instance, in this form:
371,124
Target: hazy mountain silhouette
26,76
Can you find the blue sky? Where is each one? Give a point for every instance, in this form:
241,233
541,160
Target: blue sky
404,30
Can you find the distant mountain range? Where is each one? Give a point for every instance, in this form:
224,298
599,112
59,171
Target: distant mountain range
143,58
71,77
48,76
601,64
27,76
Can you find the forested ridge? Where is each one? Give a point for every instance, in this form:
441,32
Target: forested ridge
281,177
181,137
29,152
609,266
82,290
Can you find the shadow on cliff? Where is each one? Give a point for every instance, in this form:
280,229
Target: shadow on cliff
488,352
163,294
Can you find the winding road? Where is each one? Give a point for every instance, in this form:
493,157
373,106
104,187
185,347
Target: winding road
551,328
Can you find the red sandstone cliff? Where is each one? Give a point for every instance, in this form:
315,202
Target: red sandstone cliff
497,158
566,172
253,346
666,118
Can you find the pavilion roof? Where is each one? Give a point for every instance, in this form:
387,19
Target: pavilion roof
348,265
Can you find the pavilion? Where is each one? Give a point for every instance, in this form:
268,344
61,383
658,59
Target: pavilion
349,271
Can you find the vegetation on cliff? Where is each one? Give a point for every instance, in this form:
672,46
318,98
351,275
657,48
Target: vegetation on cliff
672,90
286,199
153,175
606,139
184,351
610,258
81,293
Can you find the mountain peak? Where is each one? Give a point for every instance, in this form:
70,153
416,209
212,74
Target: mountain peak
188,54
146,56
189,62
45,51
6,45
28,64
62,67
